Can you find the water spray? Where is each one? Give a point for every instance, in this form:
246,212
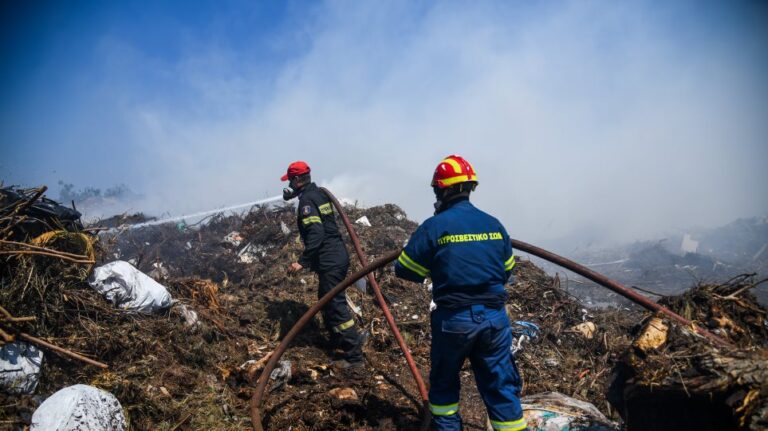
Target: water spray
204,213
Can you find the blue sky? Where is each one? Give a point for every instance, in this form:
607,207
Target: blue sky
610,119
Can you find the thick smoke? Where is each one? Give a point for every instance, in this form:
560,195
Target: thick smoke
587,122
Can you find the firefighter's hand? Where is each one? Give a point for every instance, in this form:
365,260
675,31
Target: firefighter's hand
295,267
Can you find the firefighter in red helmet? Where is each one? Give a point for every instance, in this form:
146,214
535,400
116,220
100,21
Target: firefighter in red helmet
325,254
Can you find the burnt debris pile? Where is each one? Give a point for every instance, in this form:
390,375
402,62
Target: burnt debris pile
672,379
212,300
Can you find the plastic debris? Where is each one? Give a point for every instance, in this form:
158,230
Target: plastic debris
189,315
363,221
355,309
282,373
246,254
553,411
251,253
585,315
128,288
233,238
20,368
159,271
79,407
284,228
523,332
361,285
250,368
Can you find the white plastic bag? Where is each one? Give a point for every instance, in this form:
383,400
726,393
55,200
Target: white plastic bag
79,407
20,368
128,288
363,221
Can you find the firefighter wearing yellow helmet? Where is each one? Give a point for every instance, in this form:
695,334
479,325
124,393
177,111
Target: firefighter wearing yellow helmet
468,255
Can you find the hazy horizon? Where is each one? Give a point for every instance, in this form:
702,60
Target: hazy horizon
586,121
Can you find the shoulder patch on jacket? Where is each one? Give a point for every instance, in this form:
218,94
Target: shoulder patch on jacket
306,210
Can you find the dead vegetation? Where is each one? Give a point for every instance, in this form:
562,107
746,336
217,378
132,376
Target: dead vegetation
673,379
171,371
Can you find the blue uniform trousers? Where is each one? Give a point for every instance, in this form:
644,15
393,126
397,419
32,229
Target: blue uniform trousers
484,336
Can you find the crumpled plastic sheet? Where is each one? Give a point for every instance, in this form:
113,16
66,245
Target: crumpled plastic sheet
20,368
523,332
553,411
130,289
281,373
79,407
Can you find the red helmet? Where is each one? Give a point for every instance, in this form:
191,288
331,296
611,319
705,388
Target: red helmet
454,169
295,169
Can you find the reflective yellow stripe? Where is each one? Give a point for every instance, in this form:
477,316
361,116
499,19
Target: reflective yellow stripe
459,179
346,325
454,164
510,263
325,209
517,425
446,410
311,219
413,266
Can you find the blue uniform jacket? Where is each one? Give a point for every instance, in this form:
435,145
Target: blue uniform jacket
465,251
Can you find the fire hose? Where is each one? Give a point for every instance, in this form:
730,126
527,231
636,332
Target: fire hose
261,384
618,288
380,298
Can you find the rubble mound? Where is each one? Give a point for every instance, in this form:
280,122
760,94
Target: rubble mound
565,358
194,365
729,309
673,379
